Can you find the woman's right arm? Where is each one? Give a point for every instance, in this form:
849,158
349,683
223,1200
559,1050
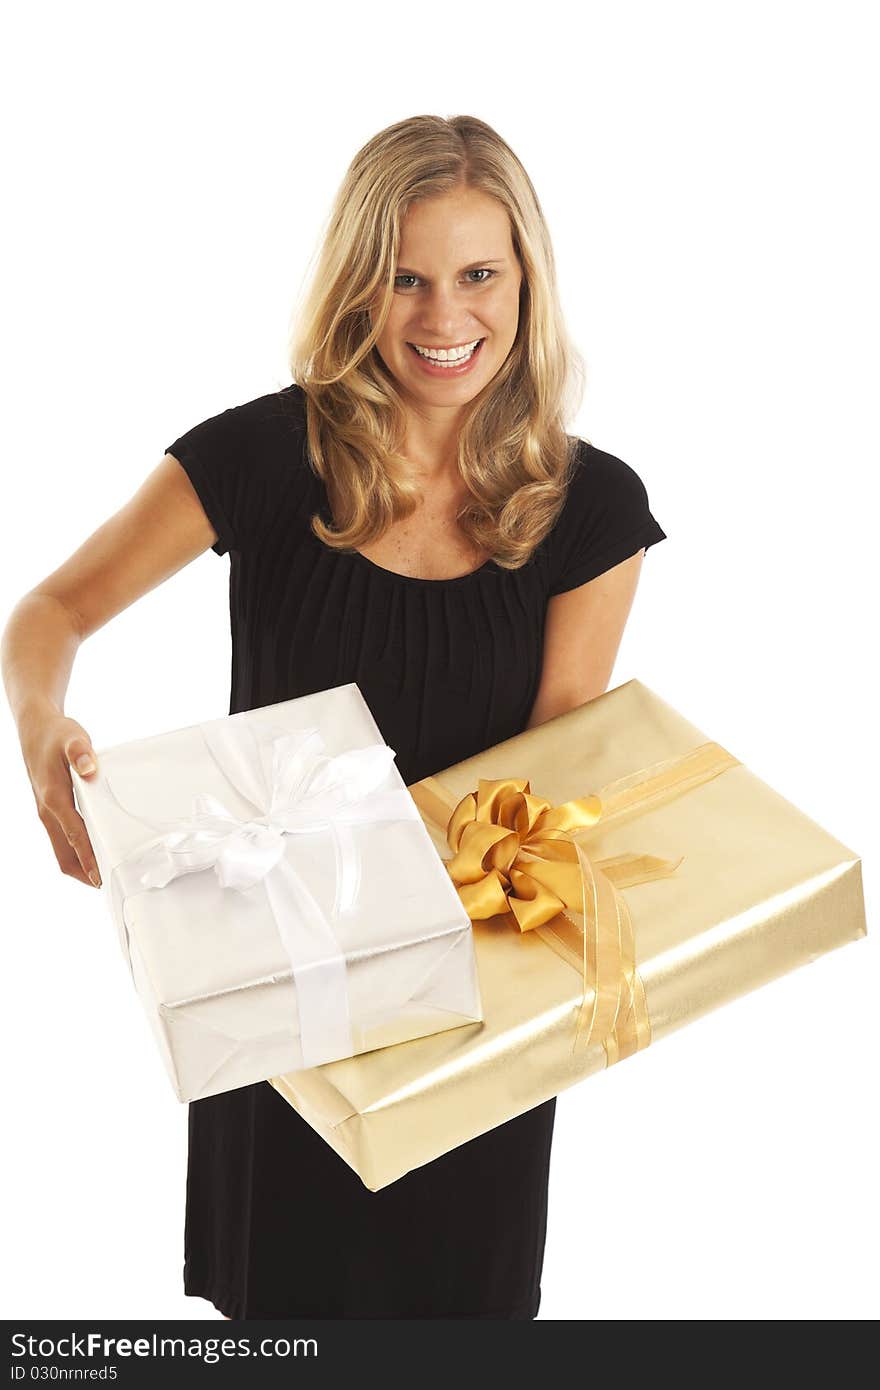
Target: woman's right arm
159,531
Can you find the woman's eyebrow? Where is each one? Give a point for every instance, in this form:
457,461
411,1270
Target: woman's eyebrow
474,265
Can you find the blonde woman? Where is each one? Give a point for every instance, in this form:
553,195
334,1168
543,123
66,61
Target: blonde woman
409,514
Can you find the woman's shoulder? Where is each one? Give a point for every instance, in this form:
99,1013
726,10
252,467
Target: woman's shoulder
597,472
271,420
601,485
605,517
266,434
282,410
247,464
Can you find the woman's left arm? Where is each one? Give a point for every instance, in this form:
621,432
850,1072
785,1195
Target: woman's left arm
582,637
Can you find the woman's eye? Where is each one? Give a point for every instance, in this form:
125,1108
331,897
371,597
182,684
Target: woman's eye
484,271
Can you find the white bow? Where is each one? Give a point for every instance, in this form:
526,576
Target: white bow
304,792
308,792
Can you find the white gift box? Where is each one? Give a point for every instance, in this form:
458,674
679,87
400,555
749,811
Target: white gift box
276,892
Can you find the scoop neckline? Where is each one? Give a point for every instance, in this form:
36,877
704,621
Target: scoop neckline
355,555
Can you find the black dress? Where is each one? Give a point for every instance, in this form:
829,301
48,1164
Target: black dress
277,1224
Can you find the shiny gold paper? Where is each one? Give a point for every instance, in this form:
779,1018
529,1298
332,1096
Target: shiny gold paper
724,886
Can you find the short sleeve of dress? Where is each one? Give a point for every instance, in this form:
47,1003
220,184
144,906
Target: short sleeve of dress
605,520
232,461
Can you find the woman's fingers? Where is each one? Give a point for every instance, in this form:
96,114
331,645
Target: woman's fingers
67,829
51,744
80,753
65,847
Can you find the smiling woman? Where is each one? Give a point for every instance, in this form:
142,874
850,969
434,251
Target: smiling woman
432,533
451,324
427,529
427,378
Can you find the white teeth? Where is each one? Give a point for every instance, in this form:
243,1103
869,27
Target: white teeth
452,355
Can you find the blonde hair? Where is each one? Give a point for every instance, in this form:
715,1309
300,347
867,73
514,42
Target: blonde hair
513,452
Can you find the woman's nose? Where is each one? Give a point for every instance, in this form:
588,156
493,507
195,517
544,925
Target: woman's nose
443,313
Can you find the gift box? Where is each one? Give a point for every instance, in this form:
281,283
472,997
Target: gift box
626,875
246,862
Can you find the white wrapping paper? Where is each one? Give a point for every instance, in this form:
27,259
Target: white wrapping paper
276,893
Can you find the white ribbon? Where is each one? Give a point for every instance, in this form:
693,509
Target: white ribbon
299,790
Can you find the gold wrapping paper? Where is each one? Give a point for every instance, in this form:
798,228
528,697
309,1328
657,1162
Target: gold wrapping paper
729,886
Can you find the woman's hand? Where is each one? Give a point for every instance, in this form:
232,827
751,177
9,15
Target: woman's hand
50,742
162,528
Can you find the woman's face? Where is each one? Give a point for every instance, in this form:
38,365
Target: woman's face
457,281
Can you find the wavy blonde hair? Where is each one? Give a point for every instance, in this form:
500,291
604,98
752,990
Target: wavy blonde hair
513,452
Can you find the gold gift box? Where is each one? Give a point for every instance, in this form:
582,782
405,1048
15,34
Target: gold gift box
720,886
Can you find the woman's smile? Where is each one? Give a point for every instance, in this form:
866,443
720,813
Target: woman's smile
456,366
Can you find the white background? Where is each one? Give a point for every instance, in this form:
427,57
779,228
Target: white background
706,174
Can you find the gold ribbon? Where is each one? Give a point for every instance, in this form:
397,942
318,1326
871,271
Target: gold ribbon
519,859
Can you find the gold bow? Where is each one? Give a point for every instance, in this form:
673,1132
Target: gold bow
512,854
516,858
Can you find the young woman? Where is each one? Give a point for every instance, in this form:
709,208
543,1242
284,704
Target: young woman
409,514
